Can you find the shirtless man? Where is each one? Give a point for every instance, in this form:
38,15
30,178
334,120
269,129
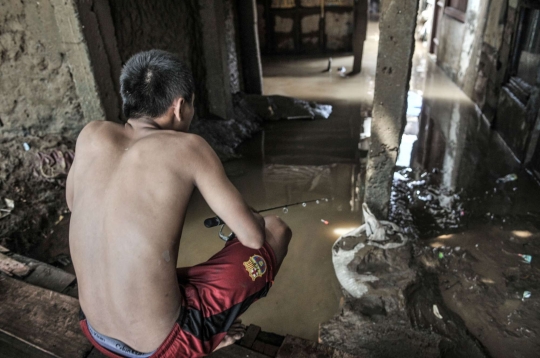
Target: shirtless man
128,190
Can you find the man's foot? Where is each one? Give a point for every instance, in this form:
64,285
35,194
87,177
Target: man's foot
234,333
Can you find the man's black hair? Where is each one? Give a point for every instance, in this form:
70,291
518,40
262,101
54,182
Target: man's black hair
151,81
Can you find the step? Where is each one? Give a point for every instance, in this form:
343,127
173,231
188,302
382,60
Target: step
37,322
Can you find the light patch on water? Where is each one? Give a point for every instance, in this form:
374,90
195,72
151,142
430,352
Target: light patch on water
340,231
522,233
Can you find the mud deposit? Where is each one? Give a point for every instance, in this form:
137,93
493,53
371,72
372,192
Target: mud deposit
35,181
466,286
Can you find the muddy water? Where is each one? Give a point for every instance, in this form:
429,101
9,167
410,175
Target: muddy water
288,164
297,161
476,212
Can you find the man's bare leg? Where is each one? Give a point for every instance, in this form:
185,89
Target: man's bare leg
234,333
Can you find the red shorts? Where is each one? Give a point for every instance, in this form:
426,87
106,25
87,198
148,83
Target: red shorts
214,294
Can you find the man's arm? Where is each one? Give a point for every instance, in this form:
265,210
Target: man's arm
223,198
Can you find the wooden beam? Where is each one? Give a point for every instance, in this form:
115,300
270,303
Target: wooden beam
44,320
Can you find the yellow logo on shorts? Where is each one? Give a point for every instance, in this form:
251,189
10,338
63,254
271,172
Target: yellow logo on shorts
255,266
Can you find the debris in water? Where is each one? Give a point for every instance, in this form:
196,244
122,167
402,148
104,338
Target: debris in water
329,67
317,201
342,69
60,218
7,208
26,146
507,178
325,222
436,312
304,205
526,258
457,248
285,210
526,294
441,255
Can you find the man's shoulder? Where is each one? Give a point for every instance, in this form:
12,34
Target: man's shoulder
181,140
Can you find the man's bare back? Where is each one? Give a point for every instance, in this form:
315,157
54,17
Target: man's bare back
128,190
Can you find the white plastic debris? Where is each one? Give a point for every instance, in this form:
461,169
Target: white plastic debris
376,232
7,208
507,178
526,294
436,312
26,146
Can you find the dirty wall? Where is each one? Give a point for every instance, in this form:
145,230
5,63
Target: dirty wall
483,55
305,26
36,82
168,25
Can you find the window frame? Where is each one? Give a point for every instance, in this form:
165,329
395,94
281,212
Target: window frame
456,13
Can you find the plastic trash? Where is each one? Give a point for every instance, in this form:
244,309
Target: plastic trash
526,258
436,312
526,294
325,222
6,208
441,255
285,210
342,69
26,146
507,178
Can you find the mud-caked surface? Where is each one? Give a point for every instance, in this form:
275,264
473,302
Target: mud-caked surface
35,182
38,92
485,277
395,317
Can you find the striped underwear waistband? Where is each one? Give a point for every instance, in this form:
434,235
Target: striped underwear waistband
115,345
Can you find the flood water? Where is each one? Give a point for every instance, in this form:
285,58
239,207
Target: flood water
451,150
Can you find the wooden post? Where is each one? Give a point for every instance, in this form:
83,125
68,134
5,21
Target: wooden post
361,9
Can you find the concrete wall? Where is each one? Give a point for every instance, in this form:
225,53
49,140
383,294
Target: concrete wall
38,92
477,56
460,44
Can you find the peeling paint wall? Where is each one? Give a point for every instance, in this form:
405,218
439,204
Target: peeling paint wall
460,44
339,29
38,91
287,27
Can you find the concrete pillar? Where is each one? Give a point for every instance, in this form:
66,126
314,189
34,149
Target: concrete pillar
396,46
70,29
212,13
361,9
98,30
249,47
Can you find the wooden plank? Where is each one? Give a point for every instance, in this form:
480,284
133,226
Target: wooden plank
258,346
251,334
96,354
44,319
50,277
270,350
235,351
11,347
294,347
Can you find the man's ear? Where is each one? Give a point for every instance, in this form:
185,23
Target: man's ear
178,103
